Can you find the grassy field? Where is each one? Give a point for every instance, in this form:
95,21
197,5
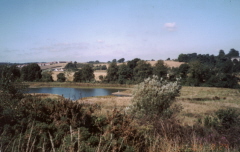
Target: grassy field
196,102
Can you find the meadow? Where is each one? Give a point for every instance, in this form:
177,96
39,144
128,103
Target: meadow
45,122
196,102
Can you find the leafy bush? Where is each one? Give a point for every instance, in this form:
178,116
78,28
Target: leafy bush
61,77
31,72
154,96
228,117
47,77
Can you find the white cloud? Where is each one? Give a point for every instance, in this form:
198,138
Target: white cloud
170,26
100,41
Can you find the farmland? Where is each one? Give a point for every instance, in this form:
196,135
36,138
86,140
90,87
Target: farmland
97,73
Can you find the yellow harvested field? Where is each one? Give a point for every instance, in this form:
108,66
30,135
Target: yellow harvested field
169,63
68,75
97,73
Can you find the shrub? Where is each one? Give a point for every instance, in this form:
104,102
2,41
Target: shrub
154,96
228,117
46,77
61,77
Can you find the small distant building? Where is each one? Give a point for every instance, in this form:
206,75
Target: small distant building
21,65
41,64
58,69
236,58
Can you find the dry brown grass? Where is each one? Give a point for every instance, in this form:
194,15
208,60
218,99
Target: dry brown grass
47,95
97,73
197,102
107,103
68,75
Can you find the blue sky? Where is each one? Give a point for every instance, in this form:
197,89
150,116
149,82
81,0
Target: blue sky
86,30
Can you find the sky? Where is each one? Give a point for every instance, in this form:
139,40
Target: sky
90,30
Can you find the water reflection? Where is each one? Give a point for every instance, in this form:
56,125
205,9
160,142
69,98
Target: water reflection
75,93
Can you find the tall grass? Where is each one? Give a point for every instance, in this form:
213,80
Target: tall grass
36,124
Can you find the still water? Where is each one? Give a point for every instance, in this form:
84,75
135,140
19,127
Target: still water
75,93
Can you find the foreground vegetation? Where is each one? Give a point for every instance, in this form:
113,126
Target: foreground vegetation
29,123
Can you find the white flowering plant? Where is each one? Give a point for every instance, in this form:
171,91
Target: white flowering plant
154,96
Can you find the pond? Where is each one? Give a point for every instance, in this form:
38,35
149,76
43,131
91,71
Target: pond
75,93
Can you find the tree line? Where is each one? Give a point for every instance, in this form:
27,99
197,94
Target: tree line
209,70
198,70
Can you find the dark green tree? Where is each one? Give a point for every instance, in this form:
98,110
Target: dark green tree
77,77
123,73
31,72
10,83
236,66
142,70
87,73
187,57
121,60
160,69
183,70
132,64
47,76
233,53
104,67
112,72
114,60
10,71
195,74
71,66
61,77
221,54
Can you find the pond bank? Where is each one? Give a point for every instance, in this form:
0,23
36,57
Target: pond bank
77,85
122,94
